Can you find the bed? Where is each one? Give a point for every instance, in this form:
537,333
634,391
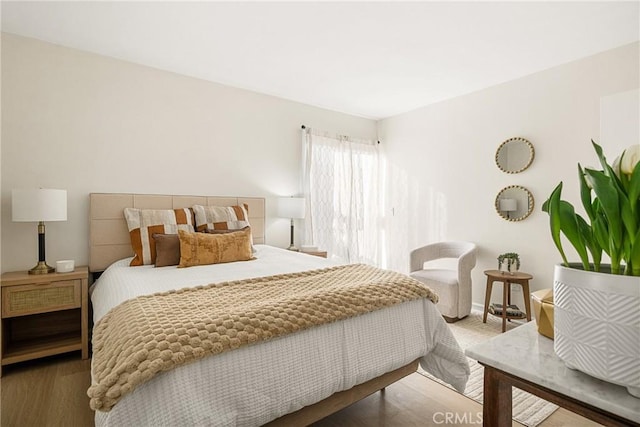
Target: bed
290,380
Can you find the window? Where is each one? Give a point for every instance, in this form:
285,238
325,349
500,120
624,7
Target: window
343,192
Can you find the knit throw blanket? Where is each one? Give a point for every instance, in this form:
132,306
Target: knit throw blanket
150,334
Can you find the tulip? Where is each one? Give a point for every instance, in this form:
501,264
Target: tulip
616,165
587,178
630,159
613,215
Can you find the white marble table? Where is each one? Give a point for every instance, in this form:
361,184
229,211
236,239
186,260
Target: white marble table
525,359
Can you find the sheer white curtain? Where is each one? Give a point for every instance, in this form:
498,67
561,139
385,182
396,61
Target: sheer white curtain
342,189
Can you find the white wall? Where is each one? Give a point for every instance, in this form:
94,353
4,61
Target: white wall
87,123
620,118
442,174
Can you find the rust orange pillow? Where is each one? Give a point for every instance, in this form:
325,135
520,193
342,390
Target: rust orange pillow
204,248
144,223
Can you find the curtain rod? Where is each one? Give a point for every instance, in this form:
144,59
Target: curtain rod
304,127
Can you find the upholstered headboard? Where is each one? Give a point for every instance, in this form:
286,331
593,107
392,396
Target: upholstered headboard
108,234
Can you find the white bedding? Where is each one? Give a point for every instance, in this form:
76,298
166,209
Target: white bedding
255,384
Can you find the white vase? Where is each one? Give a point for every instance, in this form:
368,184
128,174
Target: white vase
597,324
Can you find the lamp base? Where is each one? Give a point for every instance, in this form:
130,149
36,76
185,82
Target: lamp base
293,248
42,268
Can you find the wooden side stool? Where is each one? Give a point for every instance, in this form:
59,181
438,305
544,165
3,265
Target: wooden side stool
507,279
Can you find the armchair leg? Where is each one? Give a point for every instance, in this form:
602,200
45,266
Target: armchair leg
450,319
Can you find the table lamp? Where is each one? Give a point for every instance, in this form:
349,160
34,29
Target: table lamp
292,208
508,206
39,206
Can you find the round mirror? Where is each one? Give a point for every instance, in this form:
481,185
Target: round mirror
514,203
514,155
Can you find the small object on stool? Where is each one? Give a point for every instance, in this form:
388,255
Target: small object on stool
512,310
65,266
543,310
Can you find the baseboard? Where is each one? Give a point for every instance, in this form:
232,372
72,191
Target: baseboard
477,307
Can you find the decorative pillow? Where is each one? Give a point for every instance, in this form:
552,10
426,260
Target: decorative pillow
167,249
220,217
204,248
212,231
143,223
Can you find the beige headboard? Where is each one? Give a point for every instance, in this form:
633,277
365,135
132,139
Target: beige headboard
108,234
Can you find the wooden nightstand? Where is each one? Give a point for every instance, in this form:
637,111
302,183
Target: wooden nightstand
44,315
322,254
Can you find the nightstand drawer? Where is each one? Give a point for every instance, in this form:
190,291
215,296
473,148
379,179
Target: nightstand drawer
31,299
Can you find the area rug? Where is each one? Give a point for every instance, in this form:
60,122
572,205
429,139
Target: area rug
527,408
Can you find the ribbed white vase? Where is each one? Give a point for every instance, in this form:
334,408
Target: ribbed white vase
597,324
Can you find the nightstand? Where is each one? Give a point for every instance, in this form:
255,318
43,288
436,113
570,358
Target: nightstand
322,254
43,315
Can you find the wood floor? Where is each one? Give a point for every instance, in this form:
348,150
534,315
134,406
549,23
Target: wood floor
52,392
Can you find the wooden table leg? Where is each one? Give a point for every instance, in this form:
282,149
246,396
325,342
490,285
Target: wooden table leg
508,283
504,304
496,410
487,298
527,298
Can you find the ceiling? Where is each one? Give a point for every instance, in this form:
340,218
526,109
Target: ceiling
372,59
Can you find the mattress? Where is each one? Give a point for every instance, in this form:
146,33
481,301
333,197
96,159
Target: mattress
255,384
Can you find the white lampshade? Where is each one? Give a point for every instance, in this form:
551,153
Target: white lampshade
508,205
291,207
38,205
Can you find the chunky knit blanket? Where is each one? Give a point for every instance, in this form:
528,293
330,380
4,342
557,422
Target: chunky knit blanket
150,334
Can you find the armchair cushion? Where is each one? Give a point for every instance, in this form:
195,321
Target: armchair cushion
448,277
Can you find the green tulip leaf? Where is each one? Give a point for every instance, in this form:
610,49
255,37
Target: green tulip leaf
596,208
600,154
624,179
606,169
585,193
553,207
628,219
570,228
607,194
601,233
634,189
545,206
634,257
614,253
590,239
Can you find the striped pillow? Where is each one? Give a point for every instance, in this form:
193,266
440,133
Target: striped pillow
144,223
221,217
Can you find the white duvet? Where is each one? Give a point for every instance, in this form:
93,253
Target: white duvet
255,384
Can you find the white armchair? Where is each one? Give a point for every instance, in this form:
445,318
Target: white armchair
452,286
